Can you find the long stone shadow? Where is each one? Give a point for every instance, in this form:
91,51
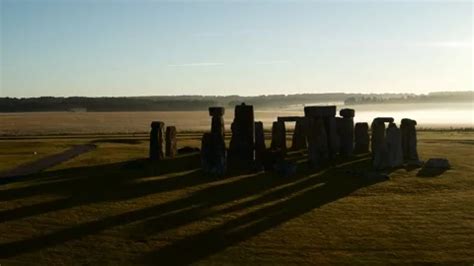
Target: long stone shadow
302,196
176,213
111,182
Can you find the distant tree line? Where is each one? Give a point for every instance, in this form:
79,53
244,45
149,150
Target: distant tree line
434,97
197,102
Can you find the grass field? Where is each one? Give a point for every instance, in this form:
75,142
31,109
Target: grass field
111,206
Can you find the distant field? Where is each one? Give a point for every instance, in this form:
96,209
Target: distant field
111,206
428,115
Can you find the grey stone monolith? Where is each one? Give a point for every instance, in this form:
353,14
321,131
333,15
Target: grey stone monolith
217,122
318,149
327,116
380,157
299,135
241,148
213,150
170,142
213,154
409,141
156,140
278,136
394,145
346,131
361,138
260,146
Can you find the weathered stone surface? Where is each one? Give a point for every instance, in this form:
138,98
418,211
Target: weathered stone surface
217,122
409,141
156,140
332,136
320,111
217,126
213,154
380,157
242,143
362,139
434,167
394,145
326,114
318,149
347,113
260,146
346,136
278,136
213,150
289,118
171,142
442,163
299,135
216,111
384,119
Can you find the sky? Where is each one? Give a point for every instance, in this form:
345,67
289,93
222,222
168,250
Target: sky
128,48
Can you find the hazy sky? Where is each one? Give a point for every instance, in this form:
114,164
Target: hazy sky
114,48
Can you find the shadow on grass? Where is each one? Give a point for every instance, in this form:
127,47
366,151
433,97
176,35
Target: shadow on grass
272,200
110,182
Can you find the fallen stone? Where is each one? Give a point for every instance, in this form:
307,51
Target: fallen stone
441,163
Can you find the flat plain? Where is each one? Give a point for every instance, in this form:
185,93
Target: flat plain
112,206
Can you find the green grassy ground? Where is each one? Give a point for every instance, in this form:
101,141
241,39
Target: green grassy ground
111,206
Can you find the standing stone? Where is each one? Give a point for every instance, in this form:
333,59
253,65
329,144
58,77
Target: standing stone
380,157
217,122
260,146
409,141
327,115
213,151
242,143
332,136
278,136
213,154
346,131
299,135
394,145
156,140
362,139
318,150
170,143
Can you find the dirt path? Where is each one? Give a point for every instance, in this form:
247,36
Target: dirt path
44,163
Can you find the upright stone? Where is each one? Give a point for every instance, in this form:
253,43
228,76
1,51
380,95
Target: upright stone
260,146
409,141
170,143
346,131
299,135
318,149
213,151
242,143
217,122
327,114
380,157
362,139
156,140
278,136
394,146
